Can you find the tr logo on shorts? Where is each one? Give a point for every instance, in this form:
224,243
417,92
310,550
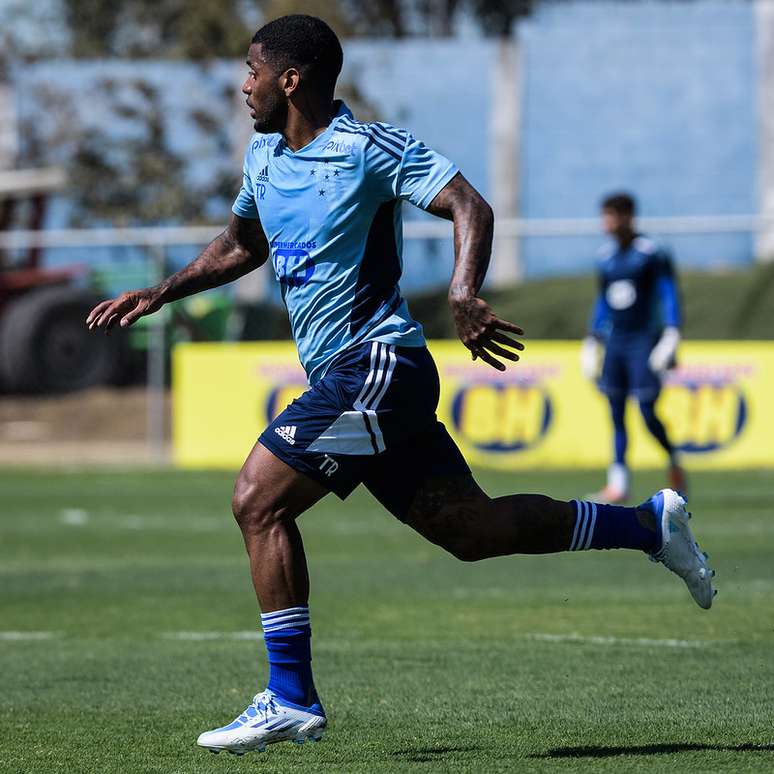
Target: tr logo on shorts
329,466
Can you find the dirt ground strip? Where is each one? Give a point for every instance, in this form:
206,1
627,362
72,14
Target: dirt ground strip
99,426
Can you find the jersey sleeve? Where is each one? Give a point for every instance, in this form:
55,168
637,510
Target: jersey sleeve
244,204
404,167
600,314
666,288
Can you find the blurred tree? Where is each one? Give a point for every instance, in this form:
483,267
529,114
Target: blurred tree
133,176
190,29
496,17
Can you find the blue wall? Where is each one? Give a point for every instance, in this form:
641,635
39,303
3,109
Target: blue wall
658,98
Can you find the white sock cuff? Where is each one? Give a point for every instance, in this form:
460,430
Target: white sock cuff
291,617
585,521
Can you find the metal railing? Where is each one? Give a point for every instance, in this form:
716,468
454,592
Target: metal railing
156,240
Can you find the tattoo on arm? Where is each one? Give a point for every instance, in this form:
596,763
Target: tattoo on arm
241,248
473,228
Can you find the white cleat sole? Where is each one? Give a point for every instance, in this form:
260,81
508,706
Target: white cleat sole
300,738
680,553
309,732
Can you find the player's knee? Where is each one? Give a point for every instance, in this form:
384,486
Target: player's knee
252,510
450,518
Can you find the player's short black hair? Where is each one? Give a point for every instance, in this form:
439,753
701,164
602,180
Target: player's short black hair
621,202
304,42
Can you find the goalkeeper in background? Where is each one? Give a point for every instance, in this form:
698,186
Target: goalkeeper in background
636,318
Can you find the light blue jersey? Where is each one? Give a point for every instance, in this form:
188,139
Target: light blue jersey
332,215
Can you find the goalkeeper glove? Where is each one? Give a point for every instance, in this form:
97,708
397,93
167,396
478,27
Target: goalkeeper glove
662,356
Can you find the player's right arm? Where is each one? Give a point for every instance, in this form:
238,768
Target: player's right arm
405,168
239,249
590,347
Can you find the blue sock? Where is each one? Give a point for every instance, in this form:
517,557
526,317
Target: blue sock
611,526
288,634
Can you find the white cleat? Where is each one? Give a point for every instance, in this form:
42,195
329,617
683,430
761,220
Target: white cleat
265,721
679,551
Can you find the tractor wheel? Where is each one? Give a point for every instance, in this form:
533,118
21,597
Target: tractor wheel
45,346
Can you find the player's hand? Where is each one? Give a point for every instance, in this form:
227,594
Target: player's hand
483,333
662,356
125,309
590,358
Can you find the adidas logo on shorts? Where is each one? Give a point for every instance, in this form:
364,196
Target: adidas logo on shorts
263,175
287,433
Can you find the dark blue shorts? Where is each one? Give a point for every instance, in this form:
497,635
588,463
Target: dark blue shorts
626,370
371,420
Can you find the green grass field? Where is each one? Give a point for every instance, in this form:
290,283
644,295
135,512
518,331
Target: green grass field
139,588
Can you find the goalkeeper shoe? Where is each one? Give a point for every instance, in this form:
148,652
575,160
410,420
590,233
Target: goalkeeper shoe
678,551
266,720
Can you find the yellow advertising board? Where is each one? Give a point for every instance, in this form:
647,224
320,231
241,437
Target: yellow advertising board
718,405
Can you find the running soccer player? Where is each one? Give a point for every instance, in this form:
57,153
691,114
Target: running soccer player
321,198
637,317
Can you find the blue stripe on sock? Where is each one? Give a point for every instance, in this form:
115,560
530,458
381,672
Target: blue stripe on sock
577,524
584,527
593,507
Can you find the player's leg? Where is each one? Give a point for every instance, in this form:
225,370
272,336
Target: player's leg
677,477
646,386
614,383
268,497
320,443
427,484
655,426
454,513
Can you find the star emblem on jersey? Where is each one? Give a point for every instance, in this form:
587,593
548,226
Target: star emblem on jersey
321,191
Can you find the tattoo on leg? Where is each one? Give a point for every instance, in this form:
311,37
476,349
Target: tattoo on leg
457,515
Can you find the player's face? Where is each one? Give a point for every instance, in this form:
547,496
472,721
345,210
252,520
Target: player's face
266,100
616,223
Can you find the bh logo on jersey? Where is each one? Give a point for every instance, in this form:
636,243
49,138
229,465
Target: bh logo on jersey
502,416
705,407
293,266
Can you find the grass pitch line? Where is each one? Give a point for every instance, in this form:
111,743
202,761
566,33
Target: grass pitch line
209,636
600,640
11,636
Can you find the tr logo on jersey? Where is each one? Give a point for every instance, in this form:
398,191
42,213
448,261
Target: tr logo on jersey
287,433
261,178
621,294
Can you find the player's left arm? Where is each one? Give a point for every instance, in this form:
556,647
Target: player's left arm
479,328
662,355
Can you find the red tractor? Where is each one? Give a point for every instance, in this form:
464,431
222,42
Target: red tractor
45,346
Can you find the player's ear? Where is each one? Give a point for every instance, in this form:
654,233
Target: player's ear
290,80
